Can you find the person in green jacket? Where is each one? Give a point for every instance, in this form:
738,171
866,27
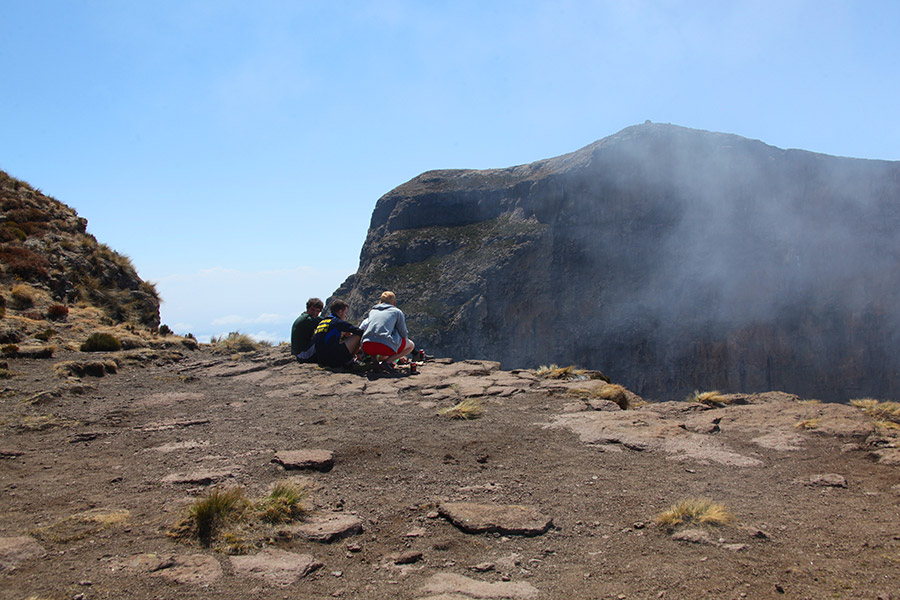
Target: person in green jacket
302,331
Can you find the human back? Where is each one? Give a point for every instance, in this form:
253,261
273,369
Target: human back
384,330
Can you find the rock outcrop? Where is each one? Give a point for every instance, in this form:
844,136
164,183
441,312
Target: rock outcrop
671,259
44,246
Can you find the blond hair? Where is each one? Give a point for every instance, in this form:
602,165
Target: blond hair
388,298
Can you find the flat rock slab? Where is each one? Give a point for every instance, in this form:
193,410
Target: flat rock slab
317,460
507,519
450,585
327,528
693,536
199,477
887,456
196,569
14,550
827,480
276,567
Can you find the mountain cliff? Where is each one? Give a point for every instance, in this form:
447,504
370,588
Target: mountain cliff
49,264
671,259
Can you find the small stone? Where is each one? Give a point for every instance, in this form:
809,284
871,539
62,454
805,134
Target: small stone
483,567
828,480
735,547
408,558
693,536
416,532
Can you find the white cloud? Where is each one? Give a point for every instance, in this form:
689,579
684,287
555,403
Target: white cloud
241,320
215,301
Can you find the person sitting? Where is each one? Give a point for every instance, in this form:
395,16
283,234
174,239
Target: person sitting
332,350
302,331
384,332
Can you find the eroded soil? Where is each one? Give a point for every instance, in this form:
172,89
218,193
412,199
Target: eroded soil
96,471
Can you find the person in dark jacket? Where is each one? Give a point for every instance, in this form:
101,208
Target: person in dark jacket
302,331
333,348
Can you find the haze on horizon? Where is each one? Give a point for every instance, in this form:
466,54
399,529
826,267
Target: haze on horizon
236,152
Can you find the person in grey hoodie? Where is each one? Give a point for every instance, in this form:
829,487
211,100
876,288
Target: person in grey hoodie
384,331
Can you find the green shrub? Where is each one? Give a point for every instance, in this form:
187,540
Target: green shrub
282,504
164,330
101,342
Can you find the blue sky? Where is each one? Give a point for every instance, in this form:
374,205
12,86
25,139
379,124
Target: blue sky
235,150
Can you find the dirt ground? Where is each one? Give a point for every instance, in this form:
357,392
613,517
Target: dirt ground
95,471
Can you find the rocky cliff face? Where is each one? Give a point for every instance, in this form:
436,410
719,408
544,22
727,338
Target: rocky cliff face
671,259
46,252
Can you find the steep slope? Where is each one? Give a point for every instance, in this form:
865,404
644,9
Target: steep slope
672,259
47,259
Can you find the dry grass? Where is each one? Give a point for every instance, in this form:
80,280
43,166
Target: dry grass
557,372
45,422
808,424
82,525
615,393
612,392
711,398
694,511
23,296
468,409
879,411
101,342
235,342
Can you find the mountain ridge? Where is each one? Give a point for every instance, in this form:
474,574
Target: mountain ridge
680,259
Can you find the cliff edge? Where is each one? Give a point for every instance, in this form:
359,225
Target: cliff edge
671,259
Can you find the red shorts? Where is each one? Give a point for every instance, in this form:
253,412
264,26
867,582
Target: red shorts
379,349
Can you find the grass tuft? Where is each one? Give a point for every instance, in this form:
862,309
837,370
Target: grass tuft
612,392
694,511
808,424
101,342
711,398
23,296
235,342
208,514
615,393
468,409
556,372
283,504
879,411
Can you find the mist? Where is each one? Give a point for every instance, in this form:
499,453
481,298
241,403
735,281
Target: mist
671,259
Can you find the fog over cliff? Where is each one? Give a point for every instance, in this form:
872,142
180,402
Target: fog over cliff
671,259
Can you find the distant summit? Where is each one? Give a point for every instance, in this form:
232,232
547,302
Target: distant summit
49,264
672,259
